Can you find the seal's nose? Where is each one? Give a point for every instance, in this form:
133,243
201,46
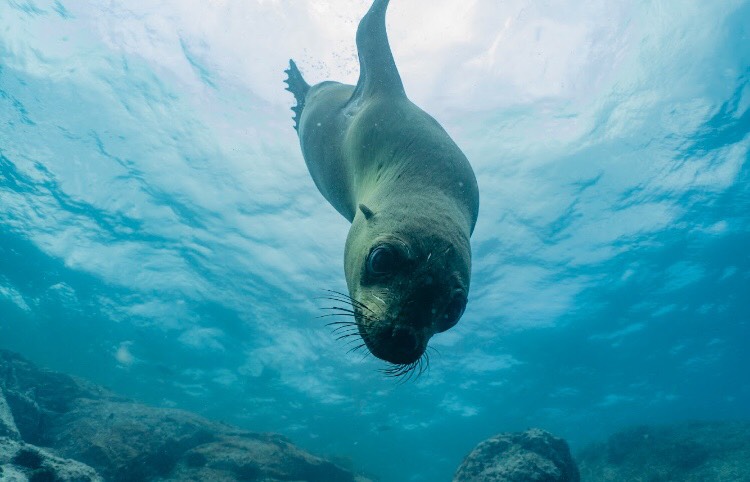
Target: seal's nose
399,344
404,339
420,310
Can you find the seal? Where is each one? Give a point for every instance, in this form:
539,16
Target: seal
409,192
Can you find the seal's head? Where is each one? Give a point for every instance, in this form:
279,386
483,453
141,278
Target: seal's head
409,279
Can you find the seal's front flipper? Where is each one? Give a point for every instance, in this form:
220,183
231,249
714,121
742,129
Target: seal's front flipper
377,69
296,85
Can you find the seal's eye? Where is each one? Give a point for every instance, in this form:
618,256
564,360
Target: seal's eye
452,314
382,260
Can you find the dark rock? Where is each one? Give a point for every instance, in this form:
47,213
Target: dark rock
688,452
22,462
531,456
126,441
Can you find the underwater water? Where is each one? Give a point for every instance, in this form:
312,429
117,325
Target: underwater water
160,233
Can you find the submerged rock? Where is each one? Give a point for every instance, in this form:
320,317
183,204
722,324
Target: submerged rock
530,456
688,452
24,462
7,424
126,441
227,460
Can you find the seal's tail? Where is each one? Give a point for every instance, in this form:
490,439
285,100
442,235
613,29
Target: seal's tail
297,86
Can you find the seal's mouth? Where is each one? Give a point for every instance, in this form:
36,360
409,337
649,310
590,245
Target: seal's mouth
398,341
402,345
397,344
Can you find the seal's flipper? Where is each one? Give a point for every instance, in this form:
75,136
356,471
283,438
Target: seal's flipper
297,86
377,69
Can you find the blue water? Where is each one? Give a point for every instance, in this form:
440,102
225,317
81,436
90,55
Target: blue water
160,235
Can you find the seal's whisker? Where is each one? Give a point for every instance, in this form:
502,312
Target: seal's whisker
355,348
341,323
338,311
408,371
348,311
397,370
424,363
348,323
351,342
347,300
414,369
339,299
365,355
365,351
406,374
343,297
334,314
341,315
346,335
339,308
351,300
344,329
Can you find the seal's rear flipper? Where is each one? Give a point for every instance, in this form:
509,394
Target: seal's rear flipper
377,69
297,86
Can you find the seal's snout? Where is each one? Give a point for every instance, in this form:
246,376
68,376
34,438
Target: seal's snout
404,339
401,345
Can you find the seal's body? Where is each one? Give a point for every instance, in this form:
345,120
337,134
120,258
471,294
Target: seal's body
406,187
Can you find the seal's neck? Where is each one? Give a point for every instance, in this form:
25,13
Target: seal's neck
432,205
412,168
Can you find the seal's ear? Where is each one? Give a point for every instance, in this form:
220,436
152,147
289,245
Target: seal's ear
366,211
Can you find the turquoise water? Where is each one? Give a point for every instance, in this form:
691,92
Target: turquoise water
160,234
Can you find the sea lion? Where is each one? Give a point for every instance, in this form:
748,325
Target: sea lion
408,190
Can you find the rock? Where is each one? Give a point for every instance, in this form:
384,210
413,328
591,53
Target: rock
7,424
24,462
688,452
126,441
131,442
530,456
36,397
226,459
